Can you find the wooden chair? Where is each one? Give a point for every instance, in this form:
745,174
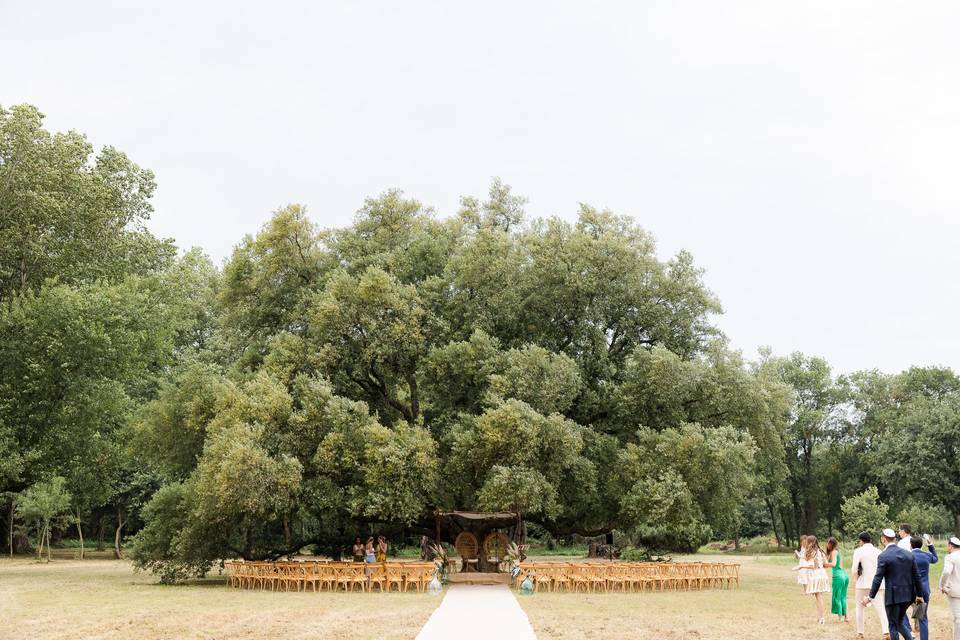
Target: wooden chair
417,575
620,576
292,575
259,571
542,578
234,572
466,545
495,547
561,577
394,575
270,575
312,576
351,575
731,574
376,575
597,573
580,577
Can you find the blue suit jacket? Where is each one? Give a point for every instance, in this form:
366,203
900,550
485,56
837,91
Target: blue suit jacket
924,560
898,569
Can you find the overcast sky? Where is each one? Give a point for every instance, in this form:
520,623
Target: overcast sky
806,153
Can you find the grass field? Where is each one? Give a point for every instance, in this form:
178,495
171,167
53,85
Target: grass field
104,599
768,606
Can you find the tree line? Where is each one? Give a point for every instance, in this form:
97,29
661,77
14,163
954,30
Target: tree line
326,380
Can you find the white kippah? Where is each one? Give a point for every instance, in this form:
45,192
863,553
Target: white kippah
888,533
955,541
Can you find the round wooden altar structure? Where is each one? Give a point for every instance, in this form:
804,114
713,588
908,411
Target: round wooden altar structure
481,538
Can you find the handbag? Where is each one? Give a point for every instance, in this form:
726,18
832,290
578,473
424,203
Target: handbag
920,612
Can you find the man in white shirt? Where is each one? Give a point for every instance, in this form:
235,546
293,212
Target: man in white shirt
950,582
906,531
864,569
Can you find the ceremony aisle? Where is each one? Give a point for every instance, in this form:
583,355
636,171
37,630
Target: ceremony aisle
471,612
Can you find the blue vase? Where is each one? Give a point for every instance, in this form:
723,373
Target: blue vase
526,587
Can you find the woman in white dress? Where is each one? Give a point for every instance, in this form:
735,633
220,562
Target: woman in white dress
818,580
803,565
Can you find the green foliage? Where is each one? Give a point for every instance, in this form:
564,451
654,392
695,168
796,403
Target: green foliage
546,381
330,379
43,506
865,512
67,214
41,503
925,518
518,489
158,547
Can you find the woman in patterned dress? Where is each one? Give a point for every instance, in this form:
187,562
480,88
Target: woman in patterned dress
818,581
803,565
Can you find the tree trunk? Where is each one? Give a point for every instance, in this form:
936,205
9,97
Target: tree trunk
286,532
788,532
736,542
43,532
13,504
773,521
414,396
117,551
48,544
80,533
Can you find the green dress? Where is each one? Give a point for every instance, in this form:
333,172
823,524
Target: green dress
840,583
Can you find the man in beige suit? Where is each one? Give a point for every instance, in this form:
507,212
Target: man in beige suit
950,582
865,568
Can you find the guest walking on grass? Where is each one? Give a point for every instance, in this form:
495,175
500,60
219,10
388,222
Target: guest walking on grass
840,581
924,559
864,568
950,582
898,569
818,582
803,565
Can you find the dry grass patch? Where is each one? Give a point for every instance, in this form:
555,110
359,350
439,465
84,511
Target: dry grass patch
105,599
768,606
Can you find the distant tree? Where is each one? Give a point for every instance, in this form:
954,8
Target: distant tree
522,490
925,518
67,214
865,512
816,420
42,505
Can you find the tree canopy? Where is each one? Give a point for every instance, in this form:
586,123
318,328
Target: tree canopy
326,380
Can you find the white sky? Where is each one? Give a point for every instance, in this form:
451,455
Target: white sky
805,152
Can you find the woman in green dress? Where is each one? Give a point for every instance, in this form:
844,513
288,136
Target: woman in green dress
841,581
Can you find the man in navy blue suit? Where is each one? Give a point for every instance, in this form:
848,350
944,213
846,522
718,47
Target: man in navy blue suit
924,560
897,568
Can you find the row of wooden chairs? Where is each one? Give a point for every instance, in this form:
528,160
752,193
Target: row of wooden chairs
628,576
329,576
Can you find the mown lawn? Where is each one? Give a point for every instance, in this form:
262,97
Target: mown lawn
768,606
105,599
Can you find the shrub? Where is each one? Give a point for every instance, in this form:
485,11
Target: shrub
925,518
864,512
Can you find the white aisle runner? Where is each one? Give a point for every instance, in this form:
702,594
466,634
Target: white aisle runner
481,612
